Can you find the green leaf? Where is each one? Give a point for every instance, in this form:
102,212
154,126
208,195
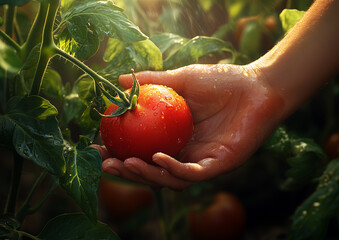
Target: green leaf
33,57
279,142
13,2
31,125
194,49
168,42
9,60
85,87
289,17
122,57
76,226
311,219
8,227
306,163
83,43
106,18
305,158
72,109
81,180
52,84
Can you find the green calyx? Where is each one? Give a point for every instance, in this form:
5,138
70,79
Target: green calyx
124,101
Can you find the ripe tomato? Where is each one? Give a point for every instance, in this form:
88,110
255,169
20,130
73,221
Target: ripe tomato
331,146
224,218
121,200
160,122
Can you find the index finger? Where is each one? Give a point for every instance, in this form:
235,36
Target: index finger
170,78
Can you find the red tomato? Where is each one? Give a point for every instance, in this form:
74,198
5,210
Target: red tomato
161,122
331,146
224,218
121,200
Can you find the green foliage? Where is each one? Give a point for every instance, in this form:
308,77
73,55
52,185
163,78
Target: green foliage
311,219
13,2
192,50
81,180
305,158
9,60
32,128
8,227
123,56
89,22
76,226
289,17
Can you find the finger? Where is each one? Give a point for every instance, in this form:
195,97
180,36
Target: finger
168,78
116,167
103,151
218,161
185,171
155,174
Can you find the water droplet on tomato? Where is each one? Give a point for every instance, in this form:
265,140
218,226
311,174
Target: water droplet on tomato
178,140
155,113
154,107
168,98
162,117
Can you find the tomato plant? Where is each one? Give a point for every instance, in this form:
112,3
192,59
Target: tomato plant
223,218
160,122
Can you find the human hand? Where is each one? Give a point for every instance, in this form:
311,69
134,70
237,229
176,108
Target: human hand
234,110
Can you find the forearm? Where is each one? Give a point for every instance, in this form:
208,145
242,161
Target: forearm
306,57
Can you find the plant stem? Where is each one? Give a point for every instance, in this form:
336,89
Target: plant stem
35,33
160,203
95,76
26,234
26,209
10,16
47,47
9,41
15,182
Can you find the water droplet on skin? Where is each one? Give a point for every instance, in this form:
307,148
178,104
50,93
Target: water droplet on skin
169,107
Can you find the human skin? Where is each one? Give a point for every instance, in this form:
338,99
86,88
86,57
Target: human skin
236,108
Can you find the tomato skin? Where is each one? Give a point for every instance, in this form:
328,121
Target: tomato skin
224,218
160,122
331,146
121,200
